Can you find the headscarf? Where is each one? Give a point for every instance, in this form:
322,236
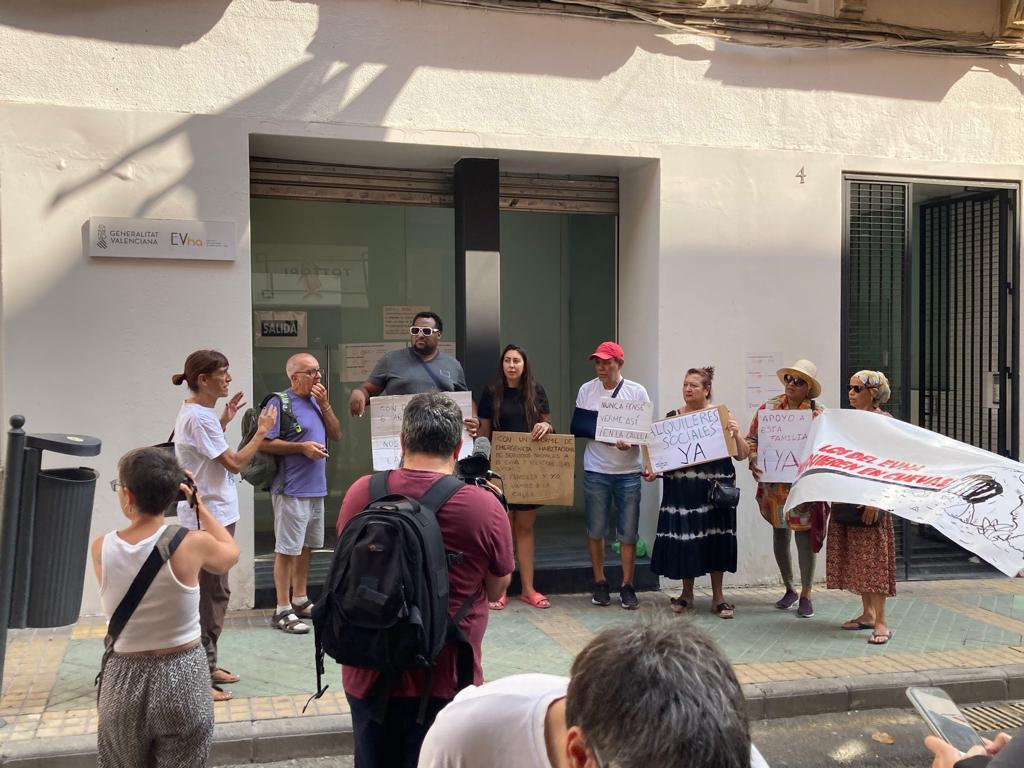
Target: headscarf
877,383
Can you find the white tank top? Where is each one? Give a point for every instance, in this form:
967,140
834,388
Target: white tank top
168,615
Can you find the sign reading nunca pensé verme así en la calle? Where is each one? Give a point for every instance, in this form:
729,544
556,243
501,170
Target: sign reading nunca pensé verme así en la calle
161,239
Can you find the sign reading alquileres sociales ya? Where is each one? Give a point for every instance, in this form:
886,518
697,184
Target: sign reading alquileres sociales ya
161,239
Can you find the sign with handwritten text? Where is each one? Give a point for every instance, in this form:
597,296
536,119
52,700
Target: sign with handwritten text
386,414
621,419
535,471
689,439
782,443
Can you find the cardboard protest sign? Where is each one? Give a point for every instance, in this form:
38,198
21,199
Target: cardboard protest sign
621,419
781,443
689,439
535,471
971,495
386,414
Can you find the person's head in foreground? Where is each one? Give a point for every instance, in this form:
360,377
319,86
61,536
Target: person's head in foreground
654,695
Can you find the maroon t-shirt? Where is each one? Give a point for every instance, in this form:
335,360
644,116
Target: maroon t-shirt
474,523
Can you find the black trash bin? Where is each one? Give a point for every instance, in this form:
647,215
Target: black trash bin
60,545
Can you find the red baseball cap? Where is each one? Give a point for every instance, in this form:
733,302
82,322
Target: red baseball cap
606,350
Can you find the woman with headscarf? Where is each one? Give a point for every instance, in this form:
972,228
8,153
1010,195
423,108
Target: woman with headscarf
860,551
801,387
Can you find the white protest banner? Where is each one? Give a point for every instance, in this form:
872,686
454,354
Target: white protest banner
386,414
974,497
781,443
535,471
689,439
621,419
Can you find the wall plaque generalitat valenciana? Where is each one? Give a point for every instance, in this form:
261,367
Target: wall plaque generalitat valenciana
161,239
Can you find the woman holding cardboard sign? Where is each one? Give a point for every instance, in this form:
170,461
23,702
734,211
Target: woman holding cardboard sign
514,402
697,521
861,553
801,383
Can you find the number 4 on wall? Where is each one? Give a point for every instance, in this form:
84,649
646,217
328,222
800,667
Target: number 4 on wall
801,174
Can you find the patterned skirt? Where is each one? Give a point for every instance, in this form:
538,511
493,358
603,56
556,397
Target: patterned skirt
861,560
694,538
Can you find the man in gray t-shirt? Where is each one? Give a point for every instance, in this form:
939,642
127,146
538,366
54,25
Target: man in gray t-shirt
420,367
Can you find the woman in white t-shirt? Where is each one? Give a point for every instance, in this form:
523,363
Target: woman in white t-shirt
201,448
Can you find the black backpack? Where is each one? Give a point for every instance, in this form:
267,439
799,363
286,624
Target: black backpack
263,467
385,600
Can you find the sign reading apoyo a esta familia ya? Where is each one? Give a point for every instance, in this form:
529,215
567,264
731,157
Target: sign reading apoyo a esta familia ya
161,239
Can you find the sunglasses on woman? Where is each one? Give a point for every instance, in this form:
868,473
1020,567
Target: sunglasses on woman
796,381
858,388
416,330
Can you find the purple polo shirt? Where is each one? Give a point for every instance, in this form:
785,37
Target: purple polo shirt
306,478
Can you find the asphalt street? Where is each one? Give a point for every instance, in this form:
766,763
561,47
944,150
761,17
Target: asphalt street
849,740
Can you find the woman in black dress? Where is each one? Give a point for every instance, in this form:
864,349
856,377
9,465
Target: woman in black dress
695,537
513,402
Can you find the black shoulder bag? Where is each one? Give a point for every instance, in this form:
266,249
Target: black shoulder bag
433,376
169,540
584,421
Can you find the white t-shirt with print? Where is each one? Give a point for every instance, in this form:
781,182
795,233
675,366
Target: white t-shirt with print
198,441
494,724
605,457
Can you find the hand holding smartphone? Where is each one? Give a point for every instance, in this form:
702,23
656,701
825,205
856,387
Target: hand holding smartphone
943,717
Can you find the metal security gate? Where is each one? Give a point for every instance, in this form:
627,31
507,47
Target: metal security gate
966,362
875,309
939,315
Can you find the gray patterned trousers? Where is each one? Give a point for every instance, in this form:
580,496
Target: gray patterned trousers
156,711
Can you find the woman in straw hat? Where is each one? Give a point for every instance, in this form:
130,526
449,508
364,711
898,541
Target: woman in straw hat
801,387
861,553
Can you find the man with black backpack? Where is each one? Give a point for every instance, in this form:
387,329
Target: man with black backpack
402,660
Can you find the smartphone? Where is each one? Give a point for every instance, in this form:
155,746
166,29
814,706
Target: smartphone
943,718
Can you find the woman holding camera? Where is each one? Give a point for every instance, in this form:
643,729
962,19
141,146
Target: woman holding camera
695,535
201,448
860,553
155,706
514,402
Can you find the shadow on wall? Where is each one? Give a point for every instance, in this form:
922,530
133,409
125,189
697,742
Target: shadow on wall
353,71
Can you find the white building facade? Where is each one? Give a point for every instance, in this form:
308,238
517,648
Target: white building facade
738,168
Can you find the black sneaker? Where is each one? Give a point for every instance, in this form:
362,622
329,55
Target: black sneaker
628,598
602,594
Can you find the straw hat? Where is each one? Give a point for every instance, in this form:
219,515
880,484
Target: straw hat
805,370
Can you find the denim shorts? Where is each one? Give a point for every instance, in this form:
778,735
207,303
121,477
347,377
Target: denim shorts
599,490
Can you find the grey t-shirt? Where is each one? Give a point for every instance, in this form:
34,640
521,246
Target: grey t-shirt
399,372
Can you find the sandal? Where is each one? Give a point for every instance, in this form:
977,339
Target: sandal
855,625
536,599
679,605
880,638
303,610
499,604
288,622
724,610
221,676
219,694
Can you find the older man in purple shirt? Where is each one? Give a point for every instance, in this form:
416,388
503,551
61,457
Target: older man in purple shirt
300,487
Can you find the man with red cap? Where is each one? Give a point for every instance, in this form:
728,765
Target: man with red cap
612,473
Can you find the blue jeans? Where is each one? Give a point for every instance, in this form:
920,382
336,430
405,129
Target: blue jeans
599,491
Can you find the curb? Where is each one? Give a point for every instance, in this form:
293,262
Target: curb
793,698
259,741
264,741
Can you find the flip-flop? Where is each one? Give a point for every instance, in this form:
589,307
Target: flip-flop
223,677
881,639
499,604
537,600
724,610
855,626
219,694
